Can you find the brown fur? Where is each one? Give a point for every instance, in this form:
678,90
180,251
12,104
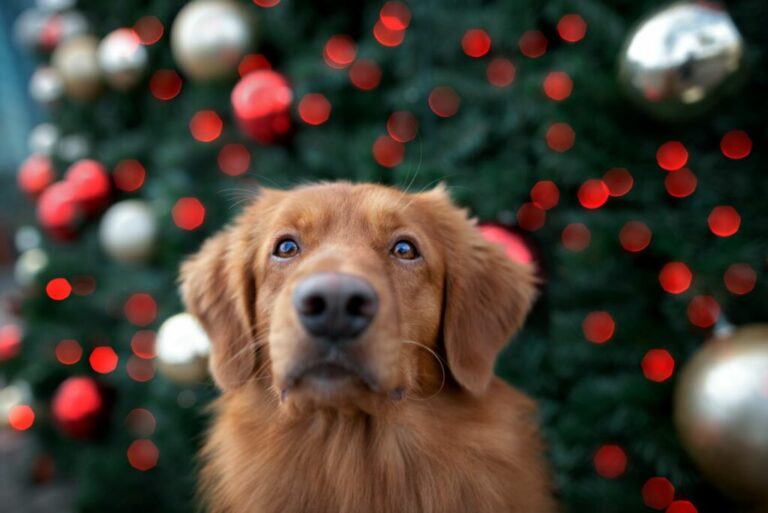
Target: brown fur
459,441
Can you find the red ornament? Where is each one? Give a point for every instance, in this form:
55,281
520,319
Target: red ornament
724,221
545,194
78,407
675,277
572,28
402,126
58,210
21,417
514,245
619,181
165,84
395,15
703,311
386,36
533,44
530,217
140,309
671,156
103,359
234,159
91,184
576,237
261,101
129,175
635,236
736,145
593,194
149,29
68,352
314,109
658,493
739,279
340,51
10,341
658,365
682,507
58,289
143,455
476,43
252,62
610,461
598,327
558,85
188,213
388,152
681,183
365,74
206,126
35,174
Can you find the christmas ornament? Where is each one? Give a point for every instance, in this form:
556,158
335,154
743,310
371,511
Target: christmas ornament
91,184
721,411
261,101
76,60
29,265
56,5
46,86
35,174
680,60
78,407
182,349
10,341
73,147
514,245
61,27
28,27
122,58
58,210
210,37
128,231
43,139
12,395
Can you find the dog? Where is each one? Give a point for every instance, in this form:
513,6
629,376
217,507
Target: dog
354,331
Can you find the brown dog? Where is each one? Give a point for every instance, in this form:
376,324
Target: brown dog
332,309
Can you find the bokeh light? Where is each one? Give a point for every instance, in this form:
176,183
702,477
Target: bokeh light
206,126
68,352
314,109
388,152
340,51
675,277
252,62
658,365
514,245
21,417
10,341
610,461
35,174
736,144
141,422
558,85
58,289
533,44
444,101
143,455
476,43
530,217
103,359
266,3
188,213
500,72
724,221
139,370
635,236
234,159
402,126
560,137
703,311
387,37
598,327
619,181
395,15
165,84
572,28
576,237
365,74
593,194
140,309
680,184
129,175
658,493
545,194
143,344
671,156
682,507
740,279
149,29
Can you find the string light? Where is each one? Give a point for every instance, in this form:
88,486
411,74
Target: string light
103,359
598,327
740,279
143,344
619,181
610,461
724,221
388,152
149,29
593,194
635,236
387,37
188,213
671,156
530,217
143,455
402,126
558,85
681,183
129,175
10,342
658,493
58,289
365,74
234,159
395,15
576,237
140,309
500,72
572,28
21,417
545,194
736,144
658,365
340,51
675,277
68,352
314,109
252,62
444,101
533,44
476,43
206,126
703,311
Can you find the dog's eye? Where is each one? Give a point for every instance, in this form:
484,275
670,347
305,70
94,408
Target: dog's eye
405,250
286,248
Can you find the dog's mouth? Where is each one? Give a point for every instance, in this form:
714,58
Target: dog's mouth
329,377
328,371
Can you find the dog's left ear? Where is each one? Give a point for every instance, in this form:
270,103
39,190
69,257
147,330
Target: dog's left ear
487,296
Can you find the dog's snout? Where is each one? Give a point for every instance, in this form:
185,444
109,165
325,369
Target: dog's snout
335,306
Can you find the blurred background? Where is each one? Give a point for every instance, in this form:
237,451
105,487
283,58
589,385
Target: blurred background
618,145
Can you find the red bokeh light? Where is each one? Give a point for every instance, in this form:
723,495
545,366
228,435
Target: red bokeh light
206,126
165,84
545,194
388,152
533,44
21,417
724,221
35,174
658,365
736,144
658,493
598,327
576,237
58,210
500,72
68,352
234,159
703,311
681,507
610,461
681,183
10,341
365,74
560,137
143,344
572,28
141,422
76,404
635,236
619,181
671,156
149,29
387,37
675,277
143,455
340,51
252,62
84,285
514,246
266,3
314,109
139,370
188,213
444,101
476,43
129,175
558,85
402,126
103,359
395,15
593,194
58,289
261,102
530,217
140,309
740,279
90,181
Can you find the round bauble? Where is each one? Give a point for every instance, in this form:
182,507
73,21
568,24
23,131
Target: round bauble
29,265
28,27
122,58
58,211
61,27
721,411
210,37
681,60
91,182
35,174
261,102
183,348
46,86
128,231
78,407
12,395
77,62
43,139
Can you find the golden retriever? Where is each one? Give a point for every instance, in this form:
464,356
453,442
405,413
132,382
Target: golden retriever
354,332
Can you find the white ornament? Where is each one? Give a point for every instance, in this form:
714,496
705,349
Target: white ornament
128,231
182,349
122,58
46,86
43,139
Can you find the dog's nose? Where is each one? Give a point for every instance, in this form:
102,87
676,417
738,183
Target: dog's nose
335,306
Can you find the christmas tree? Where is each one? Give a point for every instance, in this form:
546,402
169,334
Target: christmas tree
648,225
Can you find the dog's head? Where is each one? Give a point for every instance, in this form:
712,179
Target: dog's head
339,295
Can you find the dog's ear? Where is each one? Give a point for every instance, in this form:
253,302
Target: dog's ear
487,296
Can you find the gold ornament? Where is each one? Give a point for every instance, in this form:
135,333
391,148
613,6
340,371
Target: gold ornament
77,63
210,37
122,58
182,349
721,412
680,60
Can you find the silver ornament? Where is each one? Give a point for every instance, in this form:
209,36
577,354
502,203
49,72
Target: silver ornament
721,411
46,86
43,139
122,58
76,60
182,349
682,59
29,265
210,37
128,231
